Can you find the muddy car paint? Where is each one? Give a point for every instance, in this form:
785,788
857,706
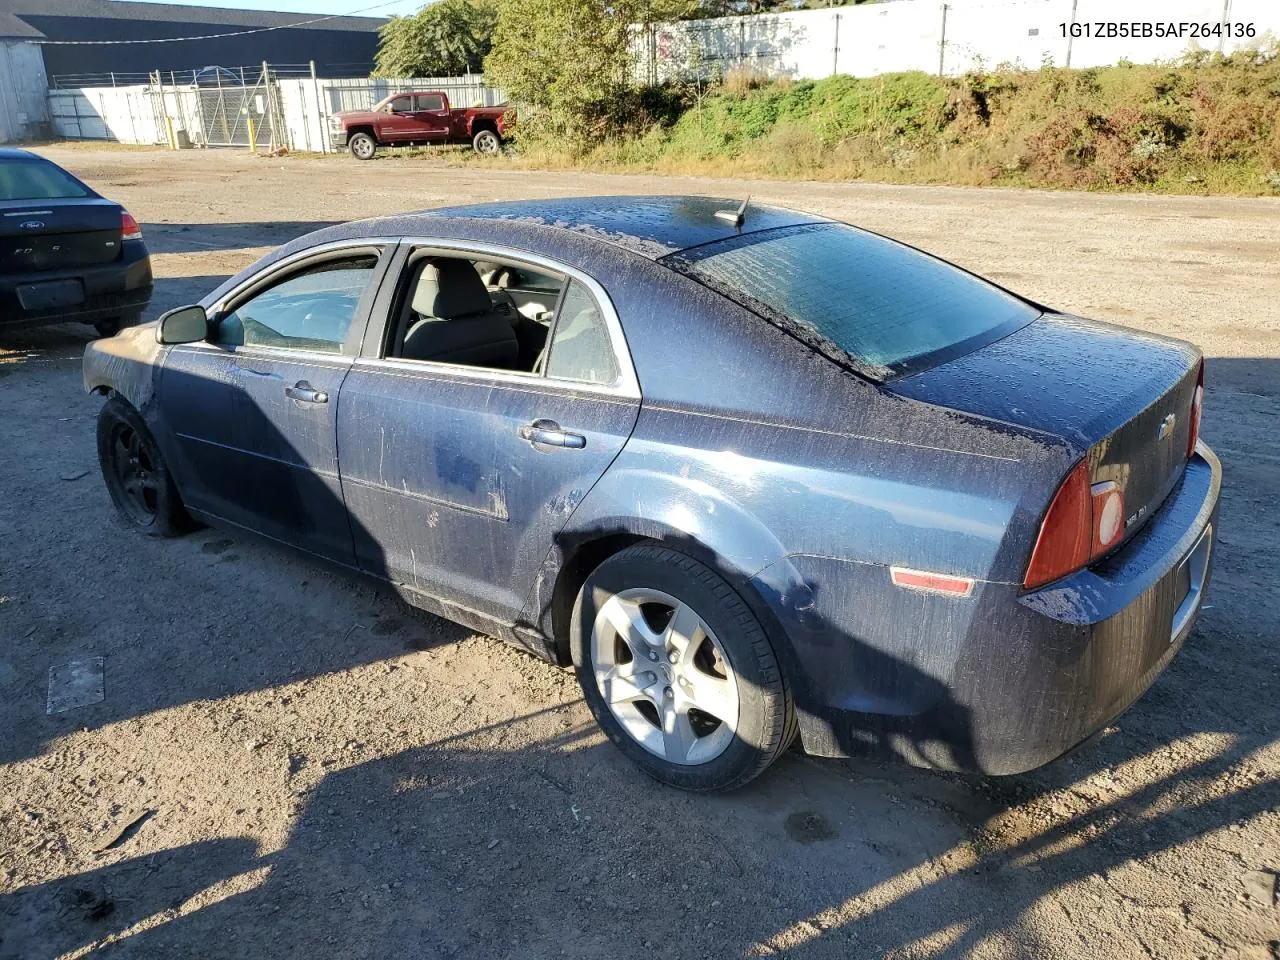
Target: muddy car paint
802,484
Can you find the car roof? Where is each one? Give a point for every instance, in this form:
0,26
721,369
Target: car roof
654,226
17,153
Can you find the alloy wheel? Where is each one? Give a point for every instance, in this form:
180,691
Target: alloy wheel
487,142
664,676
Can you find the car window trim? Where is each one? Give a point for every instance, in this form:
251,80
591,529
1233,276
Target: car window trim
626,386
384,249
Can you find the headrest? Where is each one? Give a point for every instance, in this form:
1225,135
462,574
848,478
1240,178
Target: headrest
449,289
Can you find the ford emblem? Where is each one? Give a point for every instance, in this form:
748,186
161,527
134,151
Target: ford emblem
31,225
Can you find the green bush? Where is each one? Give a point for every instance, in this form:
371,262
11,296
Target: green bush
1211,122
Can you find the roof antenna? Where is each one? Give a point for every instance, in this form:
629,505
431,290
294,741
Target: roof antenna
735,216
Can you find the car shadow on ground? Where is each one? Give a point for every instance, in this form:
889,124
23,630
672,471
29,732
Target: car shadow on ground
203,237
464,847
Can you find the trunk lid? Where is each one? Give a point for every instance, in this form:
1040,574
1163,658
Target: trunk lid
53,234
1121,395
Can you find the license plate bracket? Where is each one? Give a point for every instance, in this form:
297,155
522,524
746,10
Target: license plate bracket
51,294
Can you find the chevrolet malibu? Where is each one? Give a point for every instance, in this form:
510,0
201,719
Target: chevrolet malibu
754,473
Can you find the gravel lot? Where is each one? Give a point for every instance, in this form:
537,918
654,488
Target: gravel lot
323,772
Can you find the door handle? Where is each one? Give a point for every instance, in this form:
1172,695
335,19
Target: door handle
549,434
306,393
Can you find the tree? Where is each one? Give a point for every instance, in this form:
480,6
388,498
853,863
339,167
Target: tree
574,62
443,39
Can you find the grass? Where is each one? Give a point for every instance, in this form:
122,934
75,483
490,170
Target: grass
1207,125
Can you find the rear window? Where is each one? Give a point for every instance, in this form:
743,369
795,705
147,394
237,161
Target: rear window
37,180
858,297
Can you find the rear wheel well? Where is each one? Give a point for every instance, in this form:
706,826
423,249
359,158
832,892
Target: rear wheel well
484,123
573,574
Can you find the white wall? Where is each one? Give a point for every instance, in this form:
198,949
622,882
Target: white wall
951,38
22,87
136,114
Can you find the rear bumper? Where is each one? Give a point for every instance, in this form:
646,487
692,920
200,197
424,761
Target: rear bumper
118,289
1004,680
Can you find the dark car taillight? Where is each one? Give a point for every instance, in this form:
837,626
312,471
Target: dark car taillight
129,229
1197,407
1082,523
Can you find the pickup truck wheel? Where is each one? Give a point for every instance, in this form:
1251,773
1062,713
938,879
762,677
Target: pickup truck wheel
362,146
486,142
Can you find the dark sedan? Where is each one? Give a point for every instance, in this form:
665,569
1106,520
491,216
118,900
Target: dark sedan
750,471
66,253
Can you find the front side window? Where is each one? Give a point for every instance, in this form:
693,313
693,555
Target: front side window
400,105
430,101
857,296
580,345
309,310
37,180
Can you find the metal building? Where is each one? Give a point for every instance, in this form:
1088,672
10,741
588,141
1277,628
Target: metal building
46,43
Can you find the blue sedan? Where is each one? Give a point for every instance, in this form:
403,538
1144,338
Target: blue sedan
754,473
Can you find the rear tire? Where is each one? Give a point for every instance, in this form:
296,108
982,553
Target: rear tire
136,474
362,146
691,643
487,143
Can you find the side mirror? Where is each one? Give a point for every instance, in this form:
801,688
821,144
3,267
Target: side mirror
183,325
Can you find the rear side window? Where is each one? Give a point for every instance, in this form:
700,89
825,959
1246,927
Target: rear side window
888,308
580,345
310,310
430,101
37,180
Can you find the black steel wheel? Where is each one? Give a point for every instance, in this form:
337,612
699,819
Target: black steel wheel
136,474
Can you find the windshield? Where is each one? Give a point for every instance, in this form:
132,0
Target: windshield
37,180
857,296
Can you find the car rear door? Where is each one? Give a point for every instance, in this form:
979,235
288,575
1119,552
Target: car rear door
253,410
432,115
458,478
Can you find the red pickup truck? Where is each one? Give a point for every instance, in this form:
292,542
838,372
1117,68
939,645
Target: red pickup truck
420,116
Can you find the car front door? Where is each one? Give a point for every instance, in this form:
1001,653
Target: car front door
458,478
253,409
401,125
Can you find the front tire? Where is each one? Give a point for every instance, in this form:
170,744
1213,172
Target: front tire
678,672
362,146
136,474
487,143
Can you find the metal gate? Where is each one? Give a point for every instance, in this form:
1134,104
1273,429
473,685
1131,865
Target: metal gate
232,109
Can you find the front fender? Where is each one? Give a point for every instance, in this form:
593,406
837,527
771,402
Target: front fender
126,364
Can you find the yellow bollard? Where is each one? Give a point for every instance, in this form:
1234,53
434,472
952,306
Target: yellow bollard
253,137
173,137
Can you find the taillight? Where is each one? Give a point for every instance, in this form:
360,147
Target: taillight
1082,523
129,229
1066,534
1197,405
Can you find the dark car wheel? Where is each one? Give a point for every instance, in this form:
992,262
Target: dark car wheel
678,671
108,328
362,146
486,142
136,475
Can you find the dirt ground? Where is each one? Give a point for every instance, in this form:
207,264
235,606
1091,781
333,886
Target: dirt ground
323,772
